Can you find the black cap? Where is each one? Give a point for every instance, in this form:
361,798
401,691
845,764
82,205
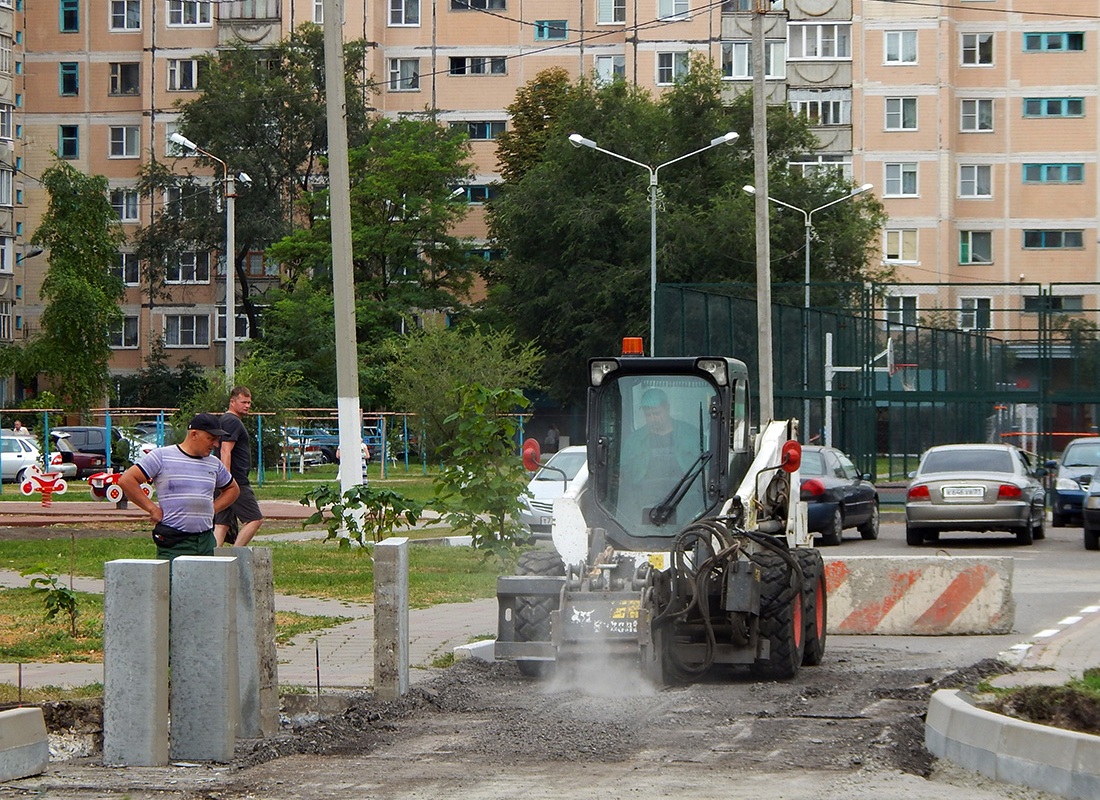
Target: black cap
208,423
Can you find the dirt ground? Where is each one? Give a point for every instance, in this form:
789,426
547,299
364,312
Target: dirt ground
851,728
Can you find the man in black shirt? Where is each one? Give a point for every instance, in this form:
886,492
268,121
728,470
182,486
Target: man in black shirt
236,453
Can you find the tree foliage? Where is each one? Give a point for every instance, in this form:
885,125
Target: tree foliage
575,223
81,232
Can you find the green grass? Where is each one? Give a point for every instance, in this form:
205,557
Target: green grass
11,694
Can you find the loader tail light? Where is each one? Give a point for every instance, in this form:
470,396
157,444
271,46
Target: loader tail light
812,488
918,493
1009,492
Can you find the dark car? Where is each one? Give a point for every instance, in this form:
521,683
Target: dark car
1071,483
837,495
975,487
1090,512
93,439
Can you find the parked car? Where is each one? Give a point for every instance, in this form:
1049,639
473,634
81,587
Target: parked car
975,487
1071,481
72,463
549,483
93,439
19,452
299,450
837,495
1090,512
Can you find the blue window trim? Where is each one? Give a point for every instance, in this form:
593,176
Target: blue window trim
61,139
68,69
1054,173
551,30
1052,239
1063,107
69,8
1067,42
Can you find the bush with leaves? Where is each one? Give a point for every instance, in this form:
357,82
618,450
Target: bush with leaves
364,512
56,596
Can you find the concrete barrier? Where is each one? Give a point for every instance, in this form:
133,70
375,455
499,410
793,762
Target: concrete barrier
24,745
919,595
1065,763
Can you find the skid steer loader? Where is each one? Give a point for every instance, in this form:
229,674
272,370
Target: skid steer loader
683,545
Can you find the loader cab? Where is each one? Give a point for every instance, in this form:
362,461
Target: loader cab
667,437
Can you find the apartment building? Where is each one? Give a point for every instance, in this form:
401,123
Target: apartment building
975,120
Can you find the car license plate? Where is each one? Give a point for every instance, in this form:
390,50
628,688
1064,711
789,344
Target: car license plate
963,492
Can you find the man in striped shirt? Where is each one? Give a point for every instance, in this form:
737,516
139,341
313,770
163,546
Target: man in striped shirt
185,477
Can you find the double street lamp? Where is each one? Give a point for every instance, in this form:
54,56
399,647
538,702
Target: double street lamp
808,217
579,141
230,256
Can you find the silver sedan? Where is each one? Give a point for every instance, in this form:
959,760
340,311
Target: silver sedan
975,487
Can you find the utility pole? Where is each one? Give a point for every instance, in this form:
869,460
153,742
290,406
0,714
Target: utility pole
763,232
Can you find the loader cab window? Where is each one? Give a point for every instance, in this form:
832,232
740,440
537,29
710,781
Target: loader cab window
656,441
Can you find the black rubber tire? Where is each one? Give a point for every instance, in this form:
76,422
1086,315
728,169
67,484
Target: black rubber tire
1040,529
815,608
931,535
834,533
869,529
21,476
1092,538
1023,535
1057,520
913,536
532,622
781,609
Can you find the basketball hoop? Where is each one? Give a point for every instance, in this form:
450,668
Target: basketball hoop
908,378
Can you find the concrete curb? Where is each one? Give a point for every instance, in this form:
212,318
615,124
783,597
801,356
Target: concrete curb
485,650
24,745
1009,750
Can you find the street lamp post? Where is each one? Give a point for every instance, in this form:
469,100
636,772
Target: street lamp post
579,141
808,217
230,256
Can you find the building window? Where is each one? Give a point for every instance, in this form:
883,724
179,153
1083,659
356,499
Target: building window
68,79
70,16
901,113
189,12
671,67
901,180
820,41
127,269
610,12
124,334
125,141
901,309
1063,304
186,330
610,68
6,126
1054,107
823,106
125,204
976,115
5,54
125,15
1053,42
811,165
68,141
1054,173
404,12
975,180
404,74
256,266
975,313
491,5
975,247
5,319
901,245
551,30
183,74
478,65
672,9
6,180
319,12
481,193
900,47
125,78
241,326
481,131
190,267
1053,240
737,60
977,49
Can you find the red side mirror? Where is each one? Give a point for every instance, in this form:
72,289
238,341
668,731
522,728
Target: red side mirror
792,455
532,455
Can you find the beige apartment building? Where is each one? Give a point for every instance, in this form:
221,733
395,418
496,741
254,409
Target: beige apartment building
974,120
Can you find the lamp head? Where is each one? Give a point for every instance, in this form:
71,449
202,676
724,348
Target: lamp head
182,141
864,188
577,140
726,138
244,178
749,190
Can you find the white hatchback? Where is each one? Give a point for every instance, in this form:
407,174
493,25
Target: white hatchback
548,484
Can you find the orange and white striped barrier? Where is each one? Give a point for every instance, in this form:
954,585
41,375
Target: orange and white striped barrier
919,595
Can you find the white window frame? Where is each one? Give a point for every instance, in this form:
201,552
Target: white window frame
121,10
813,41
243,334
190,267
900,246
971,310
968,238
183,74
737,60
823,107
7,123
608,68
673,9
895,108
895,173
401,80
7,260
901,309
671,66
7,186
610,12
195,328
124,141
898,44
976,105
6,44
123,335
403,14
477,65
319,12
5,320
127,269
126,202
971,179
970,50
189,13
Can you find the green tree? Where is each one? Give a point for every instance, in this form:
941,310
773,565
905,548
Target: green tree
81,232
428,367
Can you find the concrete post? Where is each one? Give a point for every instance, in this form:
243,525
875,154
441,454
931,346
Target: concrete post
203,647
259,679
135,663
391,618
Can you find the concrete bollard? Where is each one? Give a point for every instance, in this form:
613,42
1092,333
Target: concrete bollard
919,595
203,646
135,662
24,744
258,670
391,618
